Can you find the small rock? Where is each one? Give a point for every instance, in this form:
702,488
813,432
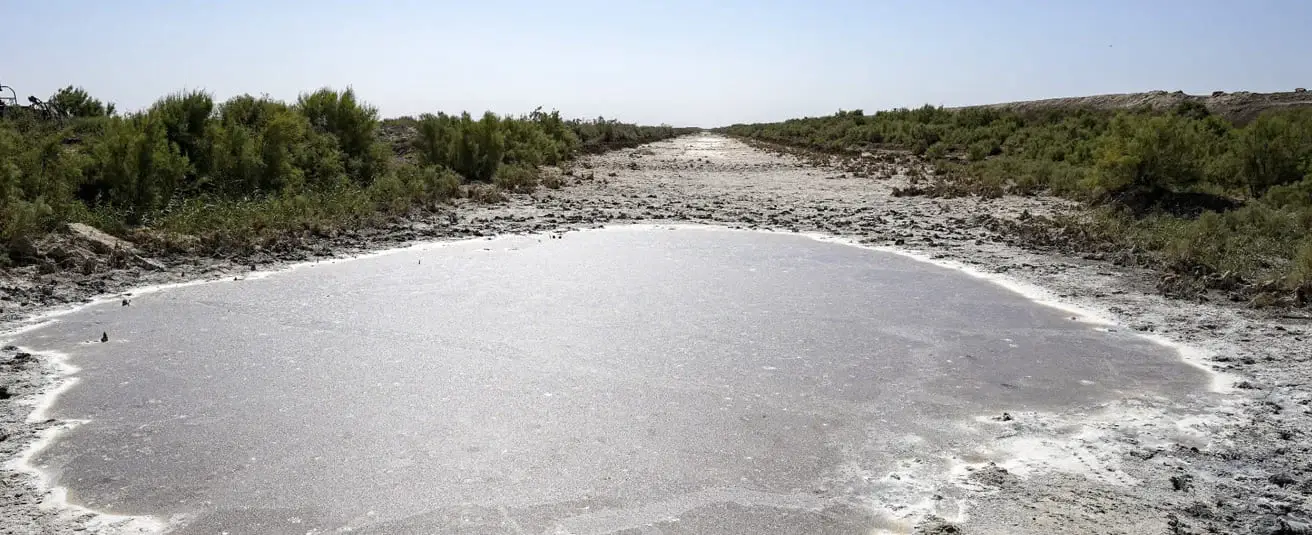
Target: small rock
104,337
149,263
1282,479
1287,525
934,525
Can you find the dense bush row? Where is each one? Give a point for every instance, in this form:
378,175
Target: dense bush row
1205,196
254,164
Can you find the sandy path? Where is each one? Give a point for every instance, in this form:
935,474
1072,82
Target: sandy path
1138,466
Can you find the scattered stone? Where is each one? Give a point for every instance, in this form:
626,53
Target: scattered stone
994,476
1174,526
1288,525
149,263
935,525
104,337
1199,510
1282,479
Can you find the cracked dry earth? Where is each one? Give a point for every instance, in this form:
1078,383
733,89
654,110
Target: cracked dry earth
1239,463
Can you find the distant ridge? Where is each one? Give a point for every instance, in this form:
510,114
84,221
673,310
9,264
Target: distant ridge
1240,106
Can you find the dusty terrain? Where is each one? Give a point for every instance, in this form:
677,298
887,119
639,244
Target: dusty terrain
1240,106
1242,466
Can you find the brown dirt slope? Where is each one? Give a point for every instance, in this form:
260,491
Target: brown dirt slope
1240,106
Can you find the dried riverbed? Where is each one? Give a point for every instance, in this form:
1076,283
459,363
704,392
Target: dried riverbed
1127,467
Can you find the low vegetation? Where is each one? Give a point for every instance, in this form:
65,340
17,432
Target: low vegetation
249,167
1200,197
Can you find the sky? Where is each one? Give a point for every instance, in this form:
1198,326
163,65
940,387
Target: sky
682,62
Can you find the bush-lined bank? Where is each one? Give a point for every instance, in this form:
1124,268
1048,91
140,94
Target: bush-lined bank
250,167
1202,197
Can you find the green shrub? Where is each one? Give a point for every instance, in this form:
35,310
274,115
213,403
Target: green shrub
528,144
76,102
254,168
478,151
1148,154
1300,269
1296,195
135,167
1191,109
551,178
392,194
1274,150
250,112
429,183
603,134
22,220
236,164
517,178
485,193
185,118
1204,195
353,124
557,129
436,139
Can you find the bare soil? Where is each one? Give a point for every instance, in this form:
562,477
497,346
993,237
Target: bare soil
1162,466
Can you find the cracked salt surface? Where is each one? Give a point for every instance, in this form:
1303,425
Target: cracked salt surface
609,380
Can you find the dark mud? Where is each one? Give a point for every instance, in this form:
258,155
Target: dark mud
1129,467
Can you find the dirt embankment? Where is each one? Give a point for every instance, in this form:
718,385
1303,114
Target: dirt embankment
1240,106
1241,467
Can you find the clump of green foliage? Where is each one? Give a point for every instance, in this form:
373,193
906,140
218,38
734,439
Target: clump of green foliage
1202,195
76,102
477,148
252,168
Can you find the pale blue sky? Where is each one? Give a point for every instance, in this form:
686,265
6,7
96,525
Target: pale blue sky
685,62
